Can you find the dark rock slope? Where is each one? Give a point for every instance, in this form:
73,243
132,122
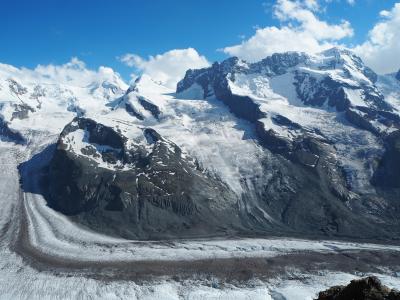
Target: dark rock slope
133,191
153,191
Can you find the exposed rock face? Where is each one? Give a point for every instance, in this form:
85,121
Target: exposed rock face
398,75
120,187
21,111
16,88
136,105
388,172
315,92
131,110
369,288
147,105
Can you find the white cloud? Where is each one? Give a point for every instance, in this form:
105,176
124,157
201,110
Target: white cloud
269,40
74,73
381,50
169,67
301,30
287,10
131,60
312,4
351,2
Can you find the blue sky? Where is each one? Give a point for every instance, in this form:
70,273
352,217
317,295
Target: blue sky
53,31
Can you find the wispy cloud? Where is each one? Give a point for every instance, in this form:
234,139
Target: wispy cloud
300,30
382,48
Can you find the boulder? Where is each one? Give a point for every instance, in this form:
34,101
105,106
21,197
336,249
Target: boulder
369,288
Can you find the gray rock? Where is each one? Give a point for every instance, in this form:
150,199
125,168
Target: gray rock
157,194
369,288
152,108
131,110
21,111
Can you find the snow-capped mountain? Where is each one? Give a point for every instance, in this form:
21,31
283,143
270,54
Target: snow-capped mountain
34,100
294,144
333,80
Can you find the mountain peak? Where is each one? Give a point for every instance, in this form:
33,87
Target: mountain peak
339,57
337,51
145,83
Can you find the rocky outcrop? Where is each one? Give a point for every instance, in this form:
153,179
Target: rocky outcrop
315,93
369,288
21,111
134,192
360,120
398,75
152,108
131,110
16,88
137,106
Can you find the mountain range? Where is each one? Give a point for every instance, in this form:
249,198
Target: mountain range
296,144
